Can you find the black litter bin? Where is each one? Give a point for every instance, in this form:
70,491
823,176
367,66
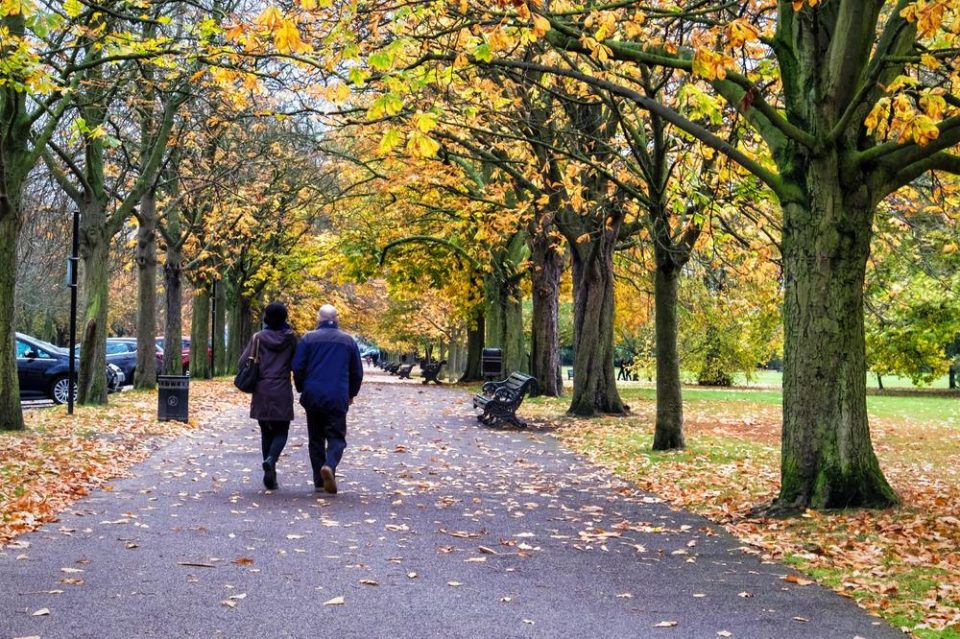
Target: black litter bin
173,399
491,362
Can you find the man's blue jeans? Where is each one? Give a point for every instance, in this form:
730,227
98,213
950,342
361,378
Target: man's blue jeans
328,437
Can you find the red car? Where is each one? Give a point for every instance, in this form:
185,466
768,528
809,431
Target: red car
184,354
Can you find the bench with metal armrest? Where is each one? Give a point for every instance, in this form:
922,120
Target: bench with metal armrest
499,401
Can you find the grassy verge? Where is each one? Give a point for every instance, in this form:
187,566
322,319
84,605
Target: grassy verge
903,563
59,459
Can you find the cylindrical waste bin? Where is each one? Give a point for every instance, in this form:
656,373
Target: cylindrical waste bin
491,362
173,399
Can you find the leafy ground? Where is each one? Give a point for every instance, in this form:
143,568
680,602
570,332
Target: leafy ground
903,564
60,459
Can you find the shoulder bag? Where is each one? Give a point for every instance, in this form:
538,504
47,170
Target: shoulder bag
249,373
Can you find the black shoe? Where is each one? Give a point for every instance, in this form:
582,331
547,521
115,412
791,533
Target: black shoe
329,481
269,474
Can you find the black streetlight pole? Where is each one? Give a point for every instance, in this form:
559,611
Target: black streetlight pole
72,264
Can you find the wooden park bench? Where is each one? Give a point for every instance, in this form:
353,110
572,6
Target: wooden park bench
403,371
431,371
499,401
392,368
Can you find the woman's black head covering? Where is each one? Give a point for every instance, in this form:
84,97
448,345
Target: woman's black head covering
275,316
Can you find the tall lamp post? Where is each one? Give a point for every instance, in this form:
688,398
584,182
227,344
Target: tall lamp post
72,264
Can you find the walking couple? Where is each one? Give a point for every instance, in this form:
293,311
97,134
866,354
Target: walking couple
327,372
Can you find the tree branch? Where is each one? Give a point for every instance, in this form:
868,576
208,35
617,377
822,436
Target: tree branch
770,178
428,239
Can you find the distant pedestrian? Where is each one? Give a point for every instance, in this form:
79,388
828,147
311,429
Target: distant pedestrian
328,372
272,402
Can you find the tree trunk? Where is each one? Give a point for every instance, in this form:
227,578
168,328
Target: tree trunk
504,321
668,432
173,304
245,324
473,371
515,354
95,254
219,331
452,355
594,378
11,415
827,457
952,384
233,345
145,375
544,337
14,166
200,334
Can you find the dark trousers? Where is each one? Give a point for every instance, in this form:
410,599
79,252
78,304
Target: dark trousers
273,437
328,438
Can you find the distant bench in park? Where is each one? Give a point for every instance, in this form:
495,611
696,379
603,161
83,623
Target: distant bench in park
391,367
400,370
499,401
431,371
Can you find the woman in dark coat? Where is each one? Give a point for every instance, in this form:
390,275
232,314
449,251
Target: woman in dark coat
272,402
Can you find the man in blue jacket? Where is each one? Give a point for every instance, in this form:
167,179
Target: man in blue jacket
328,372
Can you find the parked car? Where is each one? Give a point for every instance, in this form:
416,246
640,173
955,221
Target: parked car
184,354
121,352
43,370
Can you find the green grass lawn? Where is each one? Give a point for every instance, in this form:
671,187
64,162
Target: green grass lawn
775,378
764,378
944,410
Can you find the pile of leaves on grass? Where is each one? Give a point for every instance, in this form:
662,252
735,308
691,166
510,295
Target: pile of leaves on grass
59,459
902,564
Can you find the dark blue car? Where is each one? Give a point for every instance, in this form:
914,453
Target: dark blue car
43,370
122,352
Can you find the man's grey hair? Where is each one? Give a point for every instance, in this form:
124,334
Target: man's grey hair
328,313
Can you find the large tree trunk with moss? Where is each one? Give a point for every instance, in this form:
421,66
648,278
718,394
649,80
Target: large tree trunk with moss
594,377
14,166
504,322
145,375
200,333
95,254
234,345
504,310
452,368
219,330
11,415
827,456
246,322
475,332
668,432
544,338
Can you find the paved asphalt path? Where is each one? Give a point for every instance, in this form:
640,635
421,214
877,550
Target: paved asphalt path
442,528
